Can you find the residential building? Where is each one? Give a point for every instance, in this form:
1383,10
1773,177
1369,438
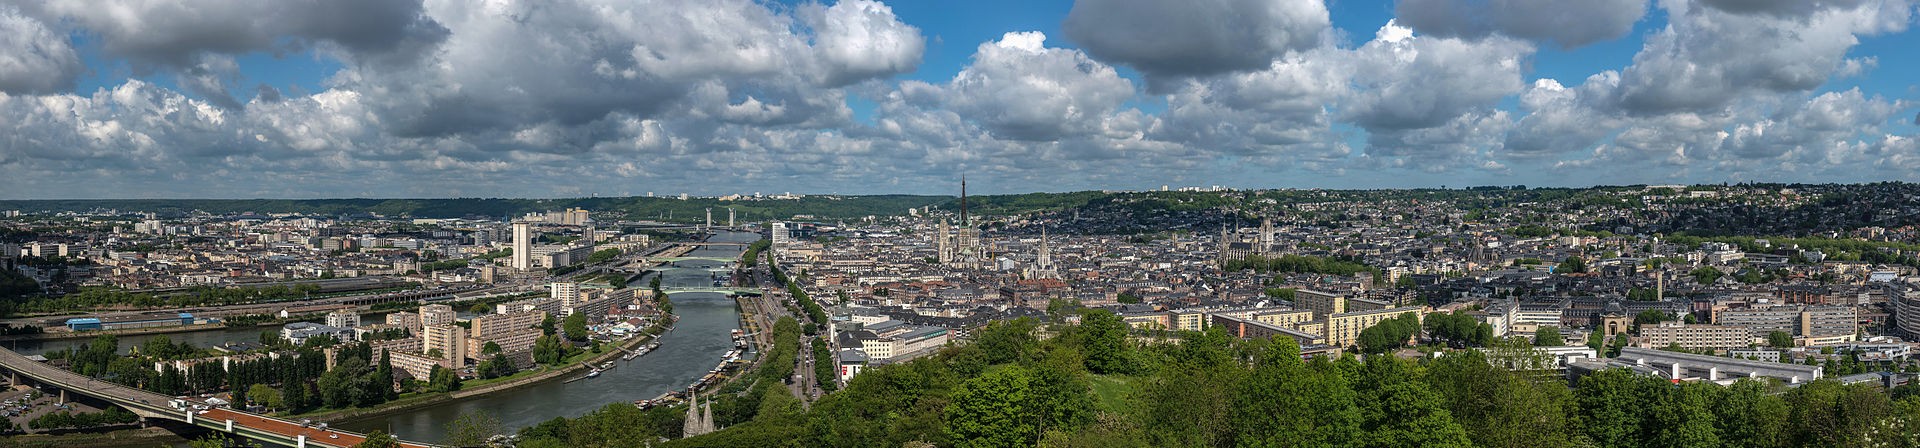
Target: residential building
1696,337
450,340
346,318
1343,329
432,315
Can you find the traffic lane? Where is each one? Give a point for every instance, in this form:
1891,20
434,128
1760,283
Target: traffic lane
289,429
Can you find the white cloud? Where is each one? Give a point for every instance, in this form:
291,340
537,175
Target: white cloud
535,98
1406,82
1707,59
1568,23
1174,39
1018,89
34,59
861,39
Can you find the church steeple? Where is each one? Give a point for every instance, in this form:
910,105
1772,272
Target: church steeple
964,223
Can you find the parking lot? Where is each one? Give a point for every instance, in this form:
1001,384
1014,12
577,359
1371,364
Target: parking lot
21,404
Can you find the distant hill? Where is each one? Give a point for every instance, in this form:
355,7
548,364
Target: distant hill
656,208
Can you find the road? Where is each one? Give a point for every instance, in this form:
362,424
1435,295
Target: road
142,401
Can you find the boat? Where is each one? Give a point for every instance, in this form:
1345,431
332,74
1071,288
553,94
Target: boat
595,373
608,365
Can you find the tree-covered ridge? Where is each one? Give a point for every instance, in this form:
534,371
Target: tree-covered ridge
1019,383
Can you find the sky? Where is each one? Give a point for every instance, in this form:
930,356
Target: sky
572,98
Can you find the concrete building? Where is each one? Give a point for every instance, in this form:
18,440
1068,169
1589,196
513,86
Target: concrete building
432,315
405,319
299,332
1344,329
568,293
1245,328
1322,303
510,341
1686,366
851,362
418,365
343,319
488,326
450,340
895,341
1696,337
779,235
522,246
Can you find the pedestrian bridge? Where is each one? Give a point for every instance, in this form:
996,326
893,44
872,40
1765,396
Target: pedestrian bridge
151,405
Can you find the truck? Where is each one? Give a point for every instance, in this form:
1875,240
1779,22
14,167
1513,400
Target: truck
177,404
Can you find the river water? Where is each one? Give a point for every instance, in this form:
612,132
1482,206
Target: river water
696,345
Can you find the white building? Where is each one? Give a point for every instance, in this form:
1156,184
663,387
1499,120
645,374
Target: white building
343,319
522,245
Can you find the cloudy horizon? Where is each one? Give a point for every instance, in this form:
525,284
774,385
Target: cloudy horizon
577,98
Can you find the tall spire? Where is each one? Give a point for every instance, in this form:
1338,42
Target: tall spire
963,201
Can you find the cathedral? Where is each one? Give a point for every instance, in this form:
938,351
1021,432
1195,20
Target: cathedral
1042,262
1235,247
960,248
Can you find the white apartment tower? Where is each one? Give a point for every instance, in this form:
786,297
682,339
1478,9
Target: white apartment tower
522,245
779,234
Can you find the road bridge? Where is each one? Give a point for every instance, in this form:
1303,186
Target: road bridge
151,405
684,258
728,291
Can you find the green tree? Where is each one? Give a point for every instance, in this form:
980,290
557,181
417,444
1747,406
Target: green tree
1650,317
994,410
1706,275
1548,336
1499,408
1750,415
1779,339
576,327
1285,402
472,429
1410,414
1572,265
548,326
442,379
1104,337
1389,334
378,439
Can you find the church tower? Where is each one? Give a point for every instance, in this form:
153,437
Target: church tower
1266,237
1043,261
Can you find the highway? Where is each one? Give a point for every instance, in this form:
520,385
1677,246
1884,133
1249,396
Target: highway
152,405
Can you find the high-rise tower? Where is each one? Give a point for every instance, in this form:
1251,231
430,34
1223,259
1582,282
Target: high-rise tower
522,245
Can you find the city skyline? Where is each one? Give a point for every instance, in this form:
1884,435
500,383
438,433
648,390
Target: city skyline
418,99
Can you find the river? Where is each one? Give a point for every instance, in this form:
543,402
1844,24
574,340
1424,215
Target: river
695,346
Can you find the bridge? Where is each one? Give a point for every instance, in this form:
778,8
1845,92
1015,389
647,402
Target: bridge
728,291
715,243
151,405
684,258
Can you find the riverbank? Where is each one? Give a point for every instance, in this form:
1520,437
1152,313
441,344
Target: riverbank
125,438
420,401
63,335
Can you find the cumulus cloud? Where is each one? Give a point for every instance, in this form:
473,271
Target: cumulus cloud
1020,89
34,59
1172,39
1568,23
1707,58
1787,8
573,97
860,39
1408,82
174,33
